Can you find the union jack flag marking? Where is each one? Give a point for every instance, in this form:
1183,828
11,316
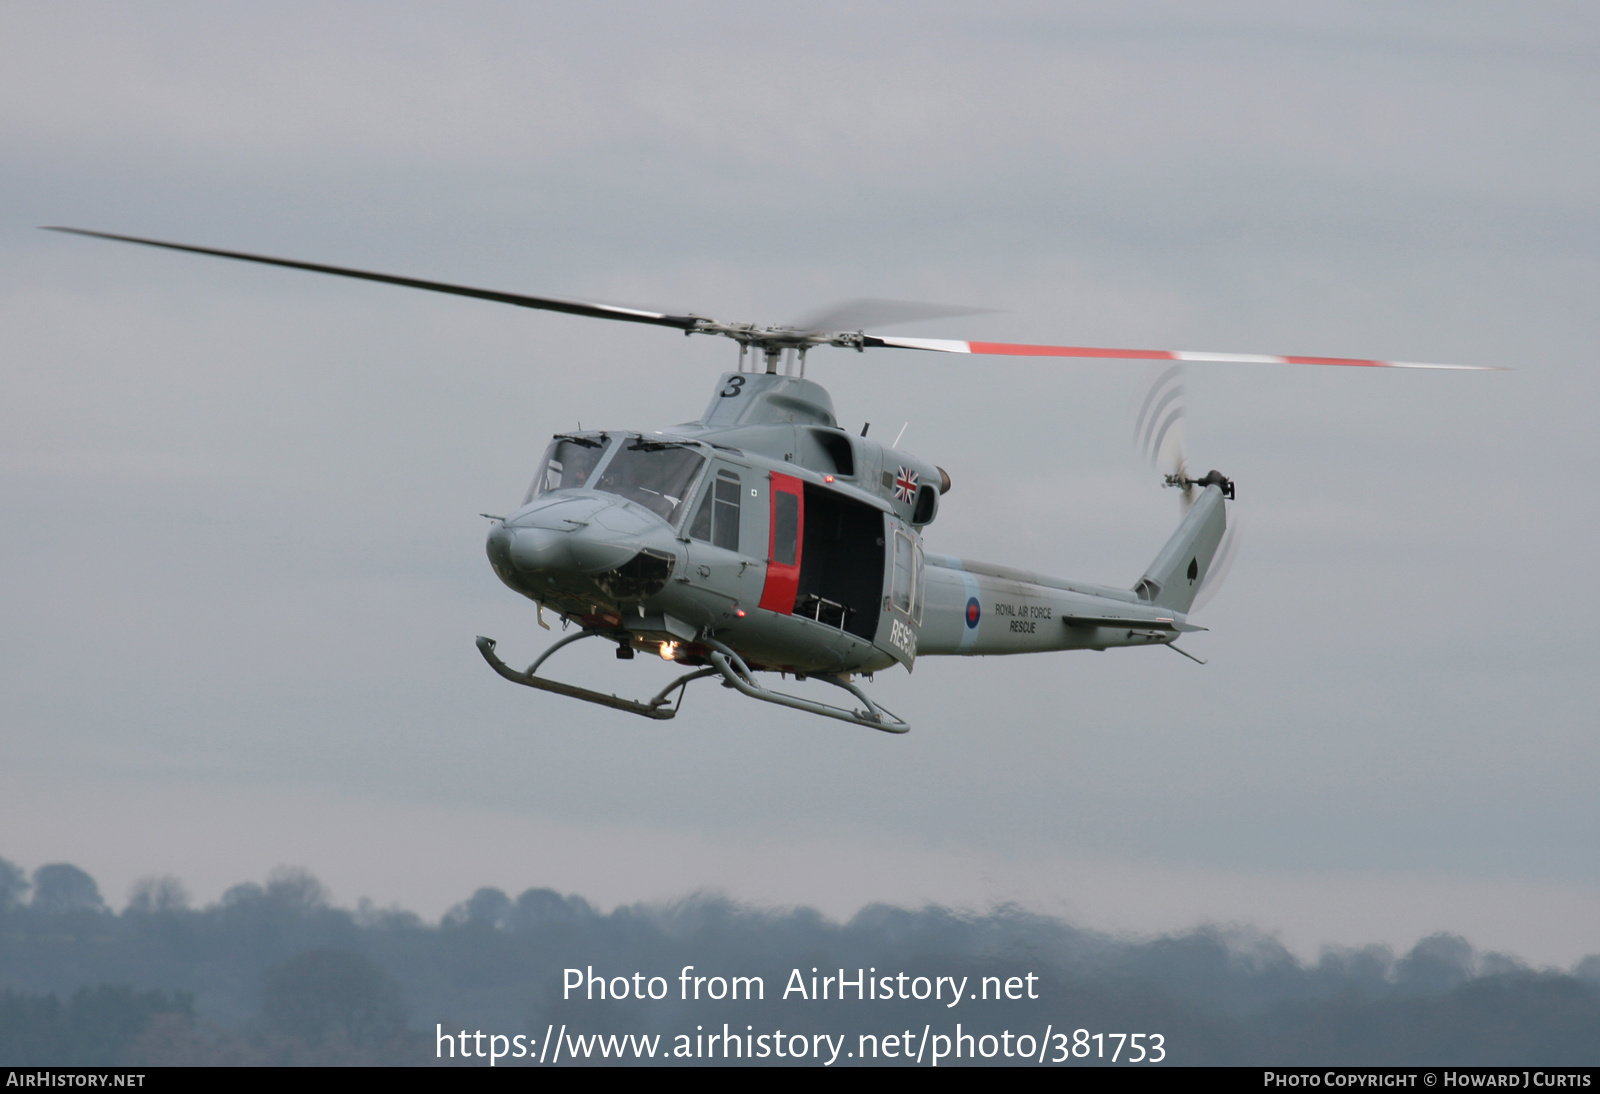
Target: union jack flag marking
905,484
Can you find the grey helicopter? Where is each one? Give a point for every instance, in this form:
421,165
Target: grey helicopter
763,539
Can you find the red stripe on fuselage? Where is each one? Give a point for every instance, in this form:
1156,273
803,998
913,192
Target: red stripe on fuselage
783,580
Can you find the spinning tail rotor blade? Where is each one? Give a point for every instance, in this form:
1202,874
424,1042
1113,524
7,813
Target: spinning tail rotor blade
1157,414
1227,551
544,303
1015,349
1158,426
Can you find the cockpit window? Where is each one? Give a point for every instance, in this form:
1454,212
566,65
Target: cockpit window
658,477
717,521
567,463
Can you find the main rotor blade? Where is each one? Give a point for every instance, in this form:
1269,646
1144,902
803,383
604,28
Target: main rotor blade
544,303
1013,349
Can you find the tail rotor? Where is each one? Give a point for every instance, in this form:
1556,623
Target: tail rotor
1158,427
1158,434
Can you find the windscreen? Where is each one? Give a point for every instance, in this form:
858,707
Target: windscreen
567,463
658,477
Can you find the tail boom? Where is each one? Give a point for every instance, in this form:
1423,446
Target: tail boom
975,609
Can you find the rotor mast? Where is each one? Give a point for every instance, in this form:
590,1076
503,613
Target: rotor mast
786,344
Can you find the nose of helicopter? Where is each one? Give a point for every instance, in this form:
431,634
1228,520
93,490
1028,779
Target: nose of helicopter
573,535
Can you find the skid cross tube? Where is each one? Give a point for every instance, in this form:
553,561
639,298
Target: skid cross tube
656,708
738,675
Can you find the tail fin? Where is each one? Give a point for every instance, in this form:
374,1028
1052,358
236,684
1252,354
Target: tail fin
1175,576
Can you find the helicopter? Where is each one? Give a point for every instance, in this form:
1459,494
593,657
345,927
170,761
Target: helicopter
762,538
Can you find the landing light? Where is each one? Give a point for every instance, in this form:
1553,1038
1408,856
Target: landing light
669,651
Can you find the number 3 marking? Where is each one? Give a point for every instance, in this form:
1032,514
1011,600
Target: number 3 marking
734,384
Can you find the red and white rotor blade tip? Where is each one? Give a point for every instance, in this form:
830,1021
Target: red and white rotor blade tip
1017,349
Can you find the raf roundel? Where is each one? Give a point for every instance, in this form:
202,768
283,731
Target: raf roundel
973,613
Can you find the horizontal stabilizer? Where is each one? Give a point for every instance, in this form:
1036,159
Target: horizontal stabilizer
1161,623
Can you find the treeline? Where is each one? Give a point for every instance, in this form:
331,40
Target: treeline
273,974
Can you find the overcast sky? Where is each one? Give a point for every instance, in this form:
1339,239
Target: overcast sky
242,567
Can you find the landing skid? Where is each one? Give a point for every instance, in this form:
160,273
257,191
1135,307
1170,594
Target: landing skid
725,663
